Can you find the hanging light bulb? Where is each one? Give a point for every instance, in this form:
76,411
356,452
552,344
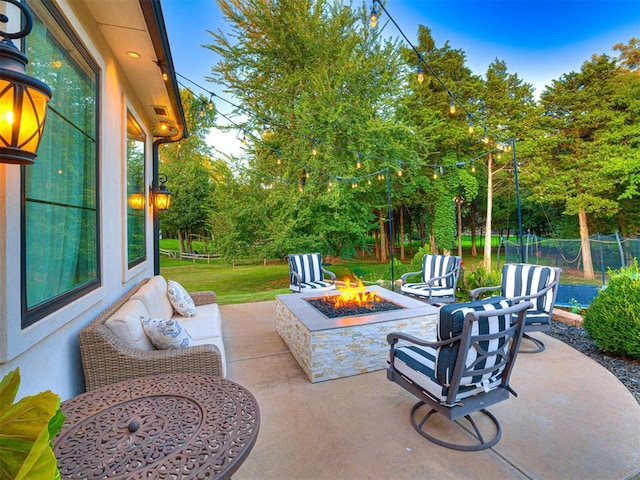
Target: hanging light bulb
358,163
373,17
399,172
420,74
452,107
314,148
279,160
301,187
210,105
473,166
201,112
435,173
485,139
244,139
470,125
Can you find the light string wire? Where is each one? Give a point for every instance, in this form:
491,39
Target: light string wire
421,60
316,142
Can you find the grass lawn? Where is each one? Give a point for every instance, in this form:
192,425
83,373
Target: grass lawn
243,283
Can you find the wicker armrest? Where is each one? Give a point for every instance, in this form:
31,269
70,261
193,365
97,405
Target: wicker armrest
106,359
204,297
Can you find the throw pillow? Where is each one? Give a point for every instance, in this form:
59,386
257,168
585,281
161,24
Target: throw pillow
165,334
182,302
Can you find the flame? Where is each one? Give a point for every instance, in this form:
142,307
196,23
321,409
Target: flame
357,295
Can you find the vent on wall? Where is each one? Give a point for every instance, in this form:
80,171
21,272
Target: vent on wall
160,110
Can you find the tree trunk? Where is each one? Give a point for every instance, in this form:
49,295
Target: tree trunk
486,261
459,205
376,244
474,228
401,233
383,240
432,241
181,241
587,262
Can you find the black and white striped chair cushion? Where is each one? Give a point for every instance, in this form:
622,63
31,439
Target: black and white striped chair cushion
309,267
432,368
524,279
437,266
423,289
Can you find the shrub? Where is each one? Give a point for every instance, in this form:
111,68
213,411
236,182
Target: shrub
613,318
475,277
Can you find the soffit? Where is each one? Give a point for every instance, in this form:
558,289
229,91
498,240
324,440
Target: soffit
123,26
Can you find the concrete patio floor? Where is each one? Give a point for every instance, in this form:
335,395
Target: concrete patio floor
572,418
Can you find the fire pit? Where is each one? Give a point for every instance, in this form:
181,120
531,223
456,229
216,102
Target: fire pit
334,347
352,301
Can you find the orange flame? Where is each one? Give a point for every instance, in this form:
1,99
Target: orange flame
354,295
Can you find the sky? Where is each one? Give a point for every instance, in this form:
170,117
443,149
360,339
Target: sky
540,40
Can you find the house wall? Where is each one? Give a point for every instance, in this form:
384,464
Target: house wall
47,352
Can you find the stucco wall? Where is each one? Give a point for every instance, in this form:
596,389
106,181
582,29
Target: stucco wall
47,352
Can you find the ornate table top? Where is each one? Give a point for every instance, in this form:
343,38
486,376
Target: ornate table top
177,426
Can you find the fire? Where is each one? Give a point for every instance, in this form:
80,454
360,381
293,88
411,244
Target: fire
357,295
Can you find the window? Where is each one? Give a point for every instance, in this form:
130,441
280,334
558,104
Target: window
136,205
60,254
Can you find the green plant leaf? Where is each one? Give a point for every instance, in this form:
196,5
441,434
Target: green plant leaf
9,388
26,429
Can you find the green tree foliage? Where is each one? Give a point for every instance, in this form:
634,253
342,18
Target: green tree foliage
320,87
589,150
189,174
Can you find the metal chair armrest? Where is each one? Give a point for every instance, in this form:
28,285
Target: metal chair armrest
409,274
477,291
331,274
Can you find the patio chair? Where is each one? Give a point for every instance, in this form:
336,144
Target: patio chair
307,273
536,283
439,279
462,373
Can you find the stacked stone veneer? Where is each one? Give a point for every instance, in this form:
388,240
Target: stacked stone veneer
334,348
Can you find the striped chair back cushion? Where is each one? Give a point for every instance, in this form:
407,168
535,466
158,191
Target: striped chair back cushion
307,265
450,325
523,279
437,266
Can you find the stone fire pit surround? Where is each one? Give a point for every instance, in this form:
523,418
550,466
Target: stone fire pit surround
329,348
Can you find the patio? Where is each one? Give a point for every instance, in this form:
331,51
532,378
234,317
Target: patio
572,418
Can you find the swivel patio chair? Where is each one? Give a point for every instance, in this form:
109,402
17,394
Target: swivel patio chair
463,373
439,279
536,283
307,274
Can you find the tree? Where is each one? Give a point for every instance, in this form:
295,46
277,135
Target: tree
507,109
188,170
591,138
297,69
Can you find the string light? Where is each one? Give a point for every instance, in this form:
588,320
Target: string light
420,74
373,17
470,123
473,166
358,163
452,106
435,173
314,148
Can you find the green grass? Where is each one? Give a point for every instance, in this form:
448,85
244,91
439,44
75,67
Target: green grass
256,282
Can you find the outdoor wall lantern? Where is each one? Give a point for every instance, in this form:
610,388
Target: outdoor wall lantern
162,196
23,99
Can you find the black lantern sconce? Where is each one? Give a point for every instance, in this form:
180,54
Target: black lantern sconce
23,99
162,196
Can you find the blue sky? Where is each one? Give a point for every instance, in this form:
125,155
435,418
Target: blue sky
539,40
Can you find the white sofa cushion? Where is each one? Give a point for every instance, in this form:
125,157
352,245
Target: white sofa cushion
206,324
180,300
166,333
154,296
125,324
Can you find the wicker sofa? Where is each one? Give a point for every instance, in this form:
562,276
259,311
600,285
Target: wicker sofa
108,357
